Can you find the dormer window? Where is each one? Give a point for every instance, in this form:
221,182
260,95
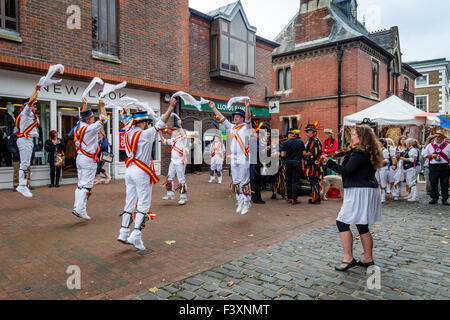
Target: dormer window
233,50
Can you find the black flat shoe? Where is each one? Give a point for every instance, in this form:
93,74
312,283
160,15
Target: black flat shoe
433,202
274,196
445,203
365,265
348,266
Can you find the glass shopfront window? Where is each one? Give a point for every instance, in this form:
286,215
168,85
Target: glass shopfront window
9,110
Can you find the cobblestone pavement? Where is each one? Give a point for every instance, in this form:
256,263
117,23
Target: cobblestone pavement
40,238
411,248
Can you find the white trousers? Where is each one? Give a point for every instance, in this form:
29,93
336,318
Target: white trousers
217,167
139,190
383,180
179,171
397,190
25,146
86,169
411,181
240,172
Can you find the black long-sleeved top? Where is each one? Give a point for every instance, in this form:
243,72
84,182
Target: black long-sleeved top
12,147
51,149
357,171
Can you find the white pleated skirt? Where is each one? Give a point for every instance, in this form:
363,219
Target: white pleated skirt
361,206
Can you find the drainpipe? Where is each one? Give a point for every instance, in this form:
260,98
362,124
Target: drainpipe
340,53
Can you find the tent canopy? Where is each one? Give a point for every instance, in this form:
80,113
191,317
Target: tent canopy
390,112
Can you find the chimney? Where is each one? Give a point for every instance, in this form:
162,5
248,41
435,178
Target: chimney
314,21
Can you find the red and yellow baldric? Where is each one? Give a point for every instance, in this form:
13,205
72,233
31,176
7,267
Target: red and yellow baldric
78,137
178,149
216,150
132,150
26,132
239,139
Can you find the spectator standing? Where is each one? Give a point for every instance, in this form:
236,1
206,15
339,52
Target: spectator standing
54,146
104,147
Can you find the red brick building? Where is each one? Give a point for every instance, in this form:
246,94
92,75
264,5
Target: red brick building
329,66
158,47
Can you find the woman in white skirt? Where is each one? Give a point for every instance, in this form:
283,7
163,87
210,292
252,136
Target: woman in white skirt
399,153
362,199
392,164
382,174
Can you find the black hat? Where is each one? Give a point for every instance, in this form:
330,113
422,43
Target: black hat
239,112
140,116
86,114
312,127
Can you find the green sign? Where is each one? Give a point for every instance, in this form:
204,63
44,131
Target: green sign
222,107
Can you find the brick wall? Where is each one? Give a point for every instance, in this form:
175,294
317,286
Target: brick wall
153,42
313,25
433,98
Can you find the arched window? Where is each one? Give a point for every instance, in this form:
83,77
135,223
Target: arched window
287,79
280,80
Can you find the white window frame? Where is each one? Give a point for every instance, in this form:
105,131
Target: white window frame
428,101
427,76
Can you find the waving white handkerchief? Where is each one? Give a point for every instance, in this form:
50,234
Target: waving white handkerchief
47,80
190,100
94,81
236,100
175,115
108,88
113,106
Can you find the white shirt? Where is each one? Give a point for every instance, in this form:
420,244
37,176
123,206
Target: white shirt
179,143
145,143
386,156
430,150
90,139
237,154
27,118
219,149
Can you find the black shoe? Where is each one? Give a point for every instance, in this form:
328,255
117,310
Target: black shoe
259,201
348,266
445,203
433,202
57,186
274,197
50,185
310,201
365,265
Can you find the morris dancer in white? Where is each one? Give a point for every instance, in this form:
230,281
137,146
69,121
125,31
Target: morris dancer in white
240,160
86,144
217,153
140,174
27,122
410,162
177,164
382,174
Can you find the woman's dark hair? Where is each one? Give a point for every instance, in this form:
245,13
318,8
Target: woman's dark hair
383,142
53,134
400,141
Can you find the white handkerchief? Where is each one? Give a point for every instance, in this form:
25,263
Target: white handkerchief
47,80
94,81
143,105
236,100
190,100
175,115
113,106
108,88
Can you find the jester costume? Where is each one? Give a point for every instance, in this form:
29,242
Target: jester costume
313,166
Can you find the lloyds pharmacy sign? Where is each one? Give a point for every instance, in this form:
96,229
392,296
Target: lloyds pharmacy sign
223,107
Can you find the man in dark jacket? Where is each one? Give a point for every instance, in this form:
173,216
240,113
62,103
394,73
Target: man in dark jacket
292,151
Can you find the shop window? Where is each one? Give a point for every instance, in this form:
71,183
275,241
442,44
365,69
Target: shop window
233,50
9,110
375,76
9,13
104,27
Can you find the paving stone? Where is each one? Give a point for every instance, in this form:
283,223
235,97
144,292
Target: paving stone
271,286
270,294
189,287
308,292
203,294
224,293
288,293
267,278
171,289
252,287
298,276
254,281
283,277
255,296
240,290
186,295
214,274
210,288
235,297
149,296
194,282
163,294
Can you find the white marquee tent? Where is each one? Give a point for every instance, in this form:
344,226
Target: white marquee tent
391,112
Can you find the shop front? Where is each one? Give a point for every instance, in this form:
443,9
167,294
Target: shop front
191,115
58,104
